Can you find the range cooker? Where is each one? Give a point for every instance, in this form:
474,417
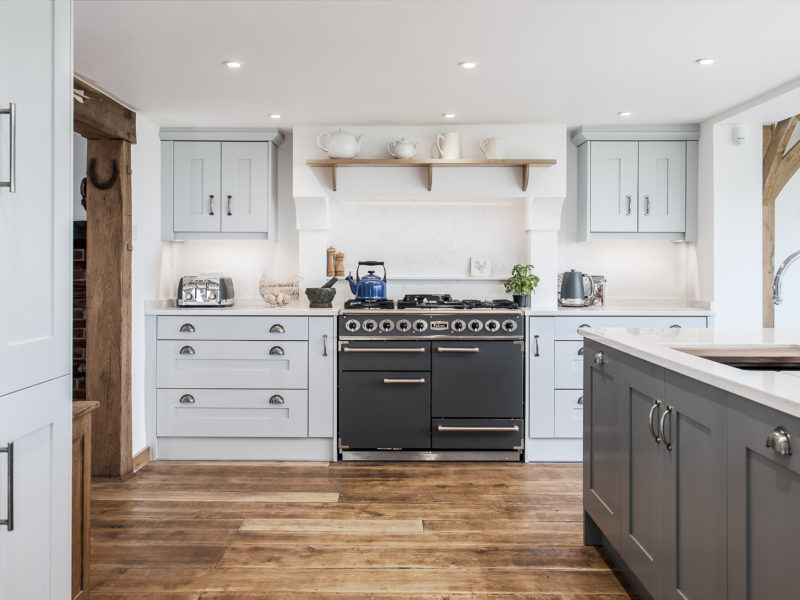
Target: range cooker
431,378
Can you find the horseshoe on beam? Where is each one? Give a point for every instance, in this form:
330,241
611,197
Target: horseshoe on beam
106,184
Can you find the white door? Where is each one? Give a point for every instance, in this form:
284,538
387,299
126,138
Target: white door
35,219
35,545
245,186
196,171
662,186
614,176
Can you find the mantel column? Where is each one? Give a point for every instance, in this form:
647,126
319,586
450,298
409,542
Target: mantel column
312,226
542,223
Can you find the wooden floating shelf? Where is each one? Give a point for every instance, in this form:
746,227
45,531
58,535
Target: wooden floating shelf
525,163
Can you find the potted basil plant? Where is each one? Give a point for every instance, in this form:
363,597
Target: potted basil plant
522,284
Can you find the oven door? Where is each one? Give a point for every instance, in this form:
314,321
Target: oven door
477,379
385,409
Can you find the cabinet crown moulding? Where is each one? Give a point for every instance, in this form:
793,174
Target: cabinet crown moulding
613,133
218,134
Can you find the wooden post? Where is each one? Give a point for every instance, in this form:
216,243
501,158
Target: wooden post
108,303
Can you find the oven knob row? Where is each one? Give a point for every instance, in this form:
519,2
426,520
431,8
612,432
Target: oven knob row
387,325
458,325
404,324
352,325
509,325
369,325
475,325
492,325
420,325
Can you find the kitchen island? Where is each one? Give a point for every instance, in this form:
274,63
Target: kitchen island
690,483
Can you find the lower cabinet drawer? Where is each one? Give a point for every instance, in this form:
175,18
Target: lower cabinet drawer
477,434
228,327
218,364
569,413
232,413
568,365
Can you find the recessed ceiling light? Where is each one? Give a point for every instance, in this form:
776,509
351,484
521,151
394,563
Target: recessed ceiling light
468,64
706,61
449,116
232,64
274,116
624,113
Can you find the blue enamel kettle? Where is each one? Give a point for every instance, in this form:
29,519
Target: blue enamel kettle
371,286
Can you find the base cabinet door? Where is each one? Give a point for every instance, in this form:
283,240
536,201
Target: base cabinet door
602,435
643,486
695,498
763,503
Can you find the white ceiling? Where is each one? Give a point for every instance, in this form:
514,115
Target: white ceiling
327,61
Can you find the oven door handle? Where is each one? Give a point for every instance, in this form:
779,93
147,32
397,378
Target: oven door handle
460,350
403,381
370,350
479,429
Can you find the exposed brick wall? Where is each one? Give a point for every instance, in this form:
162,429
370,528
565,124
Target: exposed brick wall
79,311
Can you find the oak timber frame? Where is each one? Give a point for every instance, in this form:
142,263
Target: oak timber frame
110,129
778,168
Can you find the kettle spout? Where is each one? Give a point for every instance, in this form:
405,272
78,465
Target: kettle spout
352,283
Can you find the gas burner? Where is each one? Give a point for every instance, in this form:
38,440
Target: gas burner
439,301
370,304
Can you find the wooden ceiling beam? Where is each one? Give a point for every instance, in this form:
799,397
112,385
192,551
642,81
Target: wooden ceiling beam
101,117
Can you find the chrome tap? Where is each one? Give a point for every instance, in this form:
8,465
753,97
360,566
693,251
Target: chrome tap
776,285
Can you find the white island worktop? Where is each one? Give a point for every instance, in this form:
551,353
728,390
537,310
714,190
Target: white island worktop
779,390
244,307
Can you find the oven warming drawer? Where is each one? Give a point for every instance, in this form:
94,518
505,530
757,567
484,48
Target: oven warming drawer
477,434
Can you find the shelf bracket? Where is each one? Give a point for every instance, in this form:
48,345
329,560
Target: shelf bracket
430,177
333,177
526,173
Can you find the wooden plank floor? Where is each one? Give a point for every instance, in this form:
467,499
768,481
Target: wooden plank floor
346,531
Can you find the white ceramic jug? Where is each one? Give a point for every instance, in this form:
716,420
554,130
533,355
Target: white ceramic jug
449,145
493,148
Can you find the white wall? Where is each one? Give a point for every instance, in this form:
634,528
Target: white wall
787,225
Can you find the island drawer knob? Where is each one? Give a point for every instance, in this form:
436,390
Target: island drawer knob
780,441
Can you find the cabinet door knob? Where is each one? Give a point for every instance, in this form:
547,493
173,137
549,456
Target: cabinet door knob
780,441
599,359
187,328
276,399
661,424
187,350
186,399
229,205
276,351
277,328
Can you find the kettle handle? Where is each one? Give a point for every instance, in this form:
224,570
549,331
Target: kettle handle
371,263
388,149
319,143
592,284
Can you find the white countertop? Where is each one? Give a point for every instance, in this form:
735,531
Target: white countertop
620,310
778,390
243,307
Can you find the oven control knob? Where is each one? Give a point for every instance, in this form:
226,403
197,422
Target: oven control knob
475,325
369,325
420,325
509,325
352,325
387,324
492,325
404,324
458,325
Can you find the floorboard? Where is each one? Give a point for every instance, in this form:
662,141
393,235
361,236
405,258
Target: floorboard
346,531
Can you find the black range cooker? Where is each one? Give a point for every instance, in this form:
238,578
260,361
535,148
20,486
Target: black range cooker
431,378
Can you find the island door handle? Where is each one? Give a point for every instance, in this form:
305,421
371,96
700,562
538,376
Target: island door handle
9,520
277,328
780,441
324,344
661,424
187,350
187,328
653,409
599,359
536,345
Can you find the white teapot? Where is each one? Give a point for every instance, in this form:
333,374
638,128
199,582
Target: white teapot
340,144
401,149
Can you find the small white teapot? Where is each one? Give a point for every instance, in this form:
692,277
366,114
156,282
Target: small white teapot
401,149
340,144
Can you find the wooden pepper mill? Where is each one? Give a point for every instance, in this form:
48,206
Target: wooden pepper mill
331,268
339,265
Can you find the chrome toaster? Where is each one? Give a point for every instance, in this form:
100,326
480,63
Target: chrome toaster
203,290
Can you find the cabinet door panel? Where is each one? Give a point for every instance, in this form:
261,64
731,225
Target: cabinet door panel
602,442
568,365
196,179
643,474
613,189
696,495
763,500
541,382
245,186
662,186
321,376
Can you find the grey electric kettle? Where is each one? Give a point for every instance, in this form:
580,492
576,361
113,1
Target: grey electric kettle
573,288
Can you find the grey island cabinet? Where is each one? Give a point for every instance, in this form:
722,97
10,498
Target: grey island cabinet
680,486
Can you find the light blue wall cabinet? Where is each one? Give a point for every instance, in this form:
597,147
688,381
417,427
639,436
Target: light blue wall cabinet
219,184
637,182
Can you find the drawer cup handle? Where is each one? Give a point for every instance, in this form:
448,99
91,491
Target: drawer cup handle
479,429
581,327
187,328
580,351
187,350
780,441
276,399
676,326
580,399
187,399
276,351
9,520
277,328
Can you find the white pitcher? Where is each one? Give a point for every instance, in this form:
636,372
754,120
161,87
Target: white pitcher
449,145
493,148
